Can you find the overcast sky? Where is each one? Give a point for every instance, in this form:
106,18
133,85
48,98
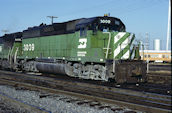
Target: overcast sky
139,16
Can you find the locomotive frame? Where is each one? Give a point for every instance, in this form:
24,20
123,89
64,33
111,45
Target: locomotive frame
97,48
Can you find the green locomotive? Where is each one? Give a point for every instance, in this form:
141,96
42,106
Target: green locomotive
97,48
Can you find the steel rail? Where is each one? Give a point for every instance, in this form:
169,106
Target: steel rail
85,96
116,94
21,105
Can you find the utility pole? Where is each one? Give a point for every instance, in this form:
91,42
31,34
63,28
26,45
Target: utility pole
147,47
168,28
52,17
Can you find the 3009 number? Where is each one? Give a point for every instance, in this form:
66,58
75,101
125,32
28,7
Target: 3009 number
105,21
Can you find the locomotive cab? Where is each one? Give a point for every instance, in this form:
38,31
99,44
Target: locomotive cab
109,37
103,24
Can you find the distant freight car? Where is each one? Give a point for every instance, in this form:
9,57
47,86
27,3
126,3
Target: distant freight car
97,48
156,55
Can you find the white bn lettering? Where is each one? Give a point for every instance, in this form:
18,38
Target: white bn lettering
82,43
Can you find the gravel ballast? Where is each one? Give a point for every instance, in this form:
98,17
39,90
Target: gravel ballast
57,103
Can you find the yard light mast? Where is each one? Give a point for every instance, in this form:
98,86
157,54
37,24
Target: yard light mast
168,28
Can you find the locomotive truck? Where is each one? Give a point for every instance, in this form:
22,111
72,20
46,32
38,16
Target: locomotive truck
97,48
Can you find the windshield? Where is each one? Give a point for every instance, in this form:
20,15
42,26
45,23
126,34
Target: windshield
109,25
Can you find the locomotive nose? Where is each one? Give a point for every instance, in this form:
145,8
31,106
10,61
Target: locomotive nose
122,45
130,71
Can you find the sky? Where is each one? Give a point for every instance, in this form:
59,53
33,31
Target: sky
139,16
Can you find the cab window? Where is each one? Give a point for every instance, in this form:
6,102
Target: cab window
83,32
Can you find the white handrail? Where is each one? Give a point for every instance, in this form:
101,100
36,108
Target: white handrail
108,44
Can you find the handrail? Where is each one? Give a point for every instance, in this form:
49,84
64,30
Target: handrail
108,44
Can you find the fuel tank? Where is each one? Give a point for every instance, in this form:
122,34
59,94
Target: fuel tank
55,68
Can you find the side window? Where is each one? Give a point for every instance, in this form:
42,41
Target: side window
83,32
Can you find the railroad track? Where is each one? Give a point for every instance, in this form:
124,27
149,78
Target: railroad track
81,99
143,101
158,67
150,87
159,78
156,84
15,105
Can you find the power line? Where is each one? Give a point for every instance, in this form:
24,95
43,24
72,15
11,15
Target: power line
5,31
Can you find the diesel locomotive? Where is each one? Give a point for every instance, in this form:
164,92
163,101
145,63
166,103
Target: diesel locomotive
97,48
